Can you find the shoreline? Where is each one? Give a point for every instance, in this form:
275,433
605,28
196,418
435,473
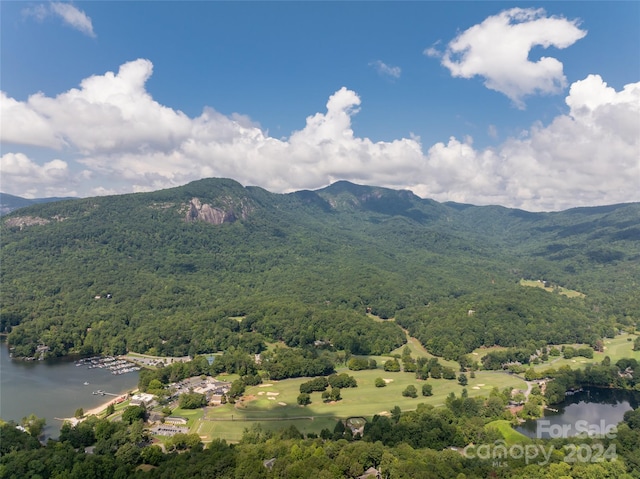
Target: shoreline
95,411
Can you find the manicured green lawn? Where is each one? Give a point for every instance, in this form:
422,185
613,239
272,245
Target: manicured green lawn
274,404
232,431
193,416
616,348
418,351
510,435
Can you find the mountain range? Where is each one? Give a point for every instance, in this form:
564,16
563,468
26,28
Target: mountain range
9,203
212,264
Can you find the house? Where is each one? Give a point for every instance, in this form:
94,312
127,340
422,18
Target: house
269,463
155,417
142,399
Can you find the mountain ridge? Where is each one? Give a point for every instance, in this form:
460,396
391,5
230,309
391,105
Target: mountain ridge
289,261
9,202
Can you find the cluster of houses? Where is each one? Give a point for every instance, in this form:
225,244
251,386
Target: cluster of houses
213,390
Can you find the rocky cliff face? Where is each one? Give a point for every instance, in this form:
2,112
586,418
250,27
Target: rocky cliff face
25,221
198,211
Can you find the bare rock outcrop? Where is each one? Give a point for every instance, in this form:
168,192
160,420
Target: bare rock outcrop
198,211
24,221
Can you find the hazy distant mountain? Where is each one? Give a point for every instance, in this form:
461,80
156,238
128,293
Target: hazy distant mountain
9,203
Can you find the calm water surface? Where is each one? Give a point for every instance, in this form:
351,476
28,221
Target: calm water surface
53,389
591,408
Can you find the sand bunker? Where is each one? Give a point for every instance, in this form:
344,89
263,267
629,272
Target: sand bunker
273,394
475,387
387,381
480,385
265,385
282,403
271,399
261,393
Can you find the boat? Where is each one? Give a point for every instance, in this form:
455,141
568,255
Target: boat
86,383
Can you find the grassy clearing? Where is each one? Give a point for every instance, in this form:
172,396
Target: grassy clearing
483,351
378,319
274,404
228,377
232,431
277,344
570,293
418,351
193,416
616,348
510,435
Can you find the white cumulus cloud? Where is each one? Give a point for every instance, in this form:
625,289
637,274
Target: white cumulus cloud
110,136
498,50
589,156
110,112
22,124
21,174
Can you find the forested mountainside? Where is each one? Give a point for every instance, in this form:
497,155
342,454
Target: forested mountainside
213,264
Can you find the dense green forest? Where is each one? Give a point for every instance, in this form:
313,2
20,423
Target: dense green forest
212,264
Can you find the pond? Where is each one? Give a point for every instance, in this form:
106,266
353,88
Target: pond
592,410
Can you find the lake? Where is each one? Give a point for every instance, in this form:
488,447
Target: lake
591,410
54,388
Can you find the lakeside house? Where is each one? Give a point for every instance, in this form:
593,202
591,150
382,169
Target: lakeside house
142,399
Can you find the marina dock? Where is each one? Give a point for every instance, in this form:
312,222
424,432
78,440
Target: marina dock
115,365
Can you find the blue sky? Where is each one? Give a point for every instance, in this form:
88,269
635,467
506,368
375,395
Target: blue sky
530,105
